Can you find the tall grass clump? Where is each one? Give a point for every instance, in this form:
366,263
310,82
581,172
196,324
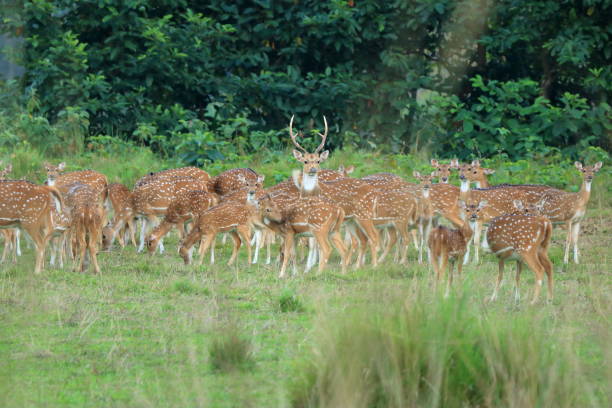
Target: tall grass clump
230,350
420,353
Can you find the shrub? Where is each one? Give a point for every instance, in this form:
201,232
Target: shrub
230,350
289,302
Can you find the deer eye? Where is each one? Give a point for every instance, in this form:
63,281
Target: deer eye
305,161
318,161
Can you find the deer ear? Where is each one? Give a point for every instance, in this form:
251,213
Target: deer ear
61,166
461,204
578,165
9,168
434,173
454,163
518,204
298,155
416,174
476,163
324,155
597,166
341,168
351,169
482,204
489,171
261,178
434,162
241,178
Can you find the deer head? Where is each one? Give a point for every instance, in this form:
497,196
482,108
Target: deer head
531,209
471,210
312,161
474,173
588,172
252,187
443,171
426,180
269,210
53,172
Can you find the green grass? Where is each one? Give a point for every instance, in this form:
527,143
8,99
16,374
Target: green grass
150,331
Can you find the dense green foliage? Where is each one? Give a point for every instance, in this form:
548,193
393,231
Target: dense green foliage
203,80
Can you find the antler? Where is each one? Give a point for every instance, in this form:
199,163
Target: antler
294,136
323,136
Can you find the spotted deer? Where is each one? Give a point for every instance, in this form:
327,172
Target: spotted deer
11,235
231,217
86,221
121,201
448,244
444,171
569,208
232,180
311,216
385,181
356,197
28,206
172,174
94,179
525,238
151,200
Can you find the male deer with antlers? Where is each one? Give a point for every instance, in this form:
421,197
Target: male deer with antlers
357,198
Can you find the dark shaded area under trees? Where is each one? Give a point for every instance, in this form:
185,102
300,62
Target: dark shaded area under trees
467,78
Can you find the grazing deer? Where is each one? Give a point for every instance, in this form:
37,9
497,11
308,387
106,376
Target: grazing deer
235,218
153,199
443,171
86,215
451,244
569,208
525,238
28,206
311,216
123,216
356,197
186,206
170,174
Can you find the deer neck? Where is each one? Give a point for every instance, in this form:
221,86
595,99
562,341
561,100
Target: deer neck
585,191
307,184
482,183
467,229
464,190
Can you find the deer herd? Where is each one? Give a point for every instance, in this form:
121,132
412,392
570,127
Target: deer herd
318,208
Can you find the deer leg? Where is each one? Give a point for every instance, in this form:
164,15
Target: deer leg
257,238
245,234
269,238
205,244
419,245
531,259
311,258
236,247
192,238
459,269
213,246
500,276
324,247
548,268
568,240
575,234
517,292
373,239
405,234
287,253
337,242
143,233
391,241
476,241
93,255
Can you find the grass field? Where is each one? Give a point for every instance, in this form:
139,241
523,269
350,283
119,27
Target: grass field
152,332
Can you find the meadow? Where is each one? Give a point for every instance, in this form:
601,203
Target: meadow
150,331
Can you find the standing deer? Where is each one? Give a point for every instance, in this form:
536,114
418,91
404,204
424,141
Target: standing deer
443,171
525,238
357,198
123,215
28,206
62,181
11,235
451,244
86,215
232,180
233,217
569,208
311,216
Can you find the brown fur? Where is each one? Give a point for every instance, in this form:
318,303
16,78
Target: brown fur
86,225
